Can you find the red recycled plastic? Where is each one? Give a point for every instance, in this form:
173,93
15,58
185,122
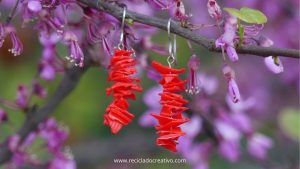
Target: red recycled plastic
121,71
170,117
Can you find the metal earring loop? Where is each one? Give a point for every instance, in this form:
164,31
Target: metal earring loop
121,43
172,45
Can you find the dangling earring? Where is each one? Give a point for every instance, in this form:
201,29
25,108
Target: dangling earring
121,71
170,117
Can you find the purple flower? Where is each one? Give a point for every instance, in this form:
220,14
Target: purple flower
13,142
3,116
197,154
17,46
2,34
18,159
39,90
47,67
229,30
151,99
178,10
29,140
21,99
230,150
274,64
241,106
34,6
250,32
227,130
50,22
157,3
227,39
193,81
97,33
62,161
193,127
47,71
258,145
231,53
153,74
242,122
147,44
54,134
209,84
76,54
214,9
265,41
233,89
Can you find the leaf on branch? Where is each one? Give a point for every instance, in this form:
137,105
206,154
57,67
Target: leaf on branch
289,123
248,15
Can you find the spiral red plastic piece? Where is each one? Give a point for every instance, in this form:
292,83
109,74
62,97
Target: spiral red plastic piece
121,71
170,117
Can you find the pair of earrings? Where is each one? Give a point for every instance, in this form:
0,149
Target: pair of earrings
121,71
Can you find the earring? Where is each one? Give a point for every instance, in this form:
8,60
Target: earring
121,71
170,117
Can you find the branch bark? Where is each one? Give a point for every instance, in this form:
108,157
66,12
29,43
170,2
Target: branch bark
36,116
117,11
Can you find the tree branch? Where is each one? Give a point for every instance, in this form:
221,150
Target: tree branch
117,11
36,116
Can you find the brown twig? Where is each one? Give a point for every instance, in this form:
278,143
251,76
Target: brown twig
176,28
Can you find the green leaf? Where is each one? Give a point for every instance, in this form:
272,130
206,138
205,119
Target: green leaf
130,22
241,33
248,15
256,16
234,12
289,122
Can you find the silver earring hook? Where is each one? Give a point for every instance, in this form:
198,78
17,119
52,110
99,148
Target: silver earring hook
121,43
172,45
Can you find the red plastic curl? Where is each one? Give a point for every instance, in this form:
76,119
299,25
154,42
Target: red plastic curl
121,71
170,117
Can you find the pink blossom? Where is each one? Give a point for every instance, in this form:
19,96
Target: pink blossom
227,130
273,64
226,40
193,86
258,145
22,94
54,134
13,142
151,99
47,71
231,53
17,46
242,122
2,34
230,150
209,84
3,116
76,55
34,5
62,161
214,9
193,127
39,90
233,89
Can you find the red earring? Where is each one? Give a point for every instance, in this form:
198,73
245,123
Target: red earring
170,117
121,71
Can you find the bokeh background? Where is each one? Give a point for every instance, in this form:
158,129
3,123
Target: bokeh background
275,113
